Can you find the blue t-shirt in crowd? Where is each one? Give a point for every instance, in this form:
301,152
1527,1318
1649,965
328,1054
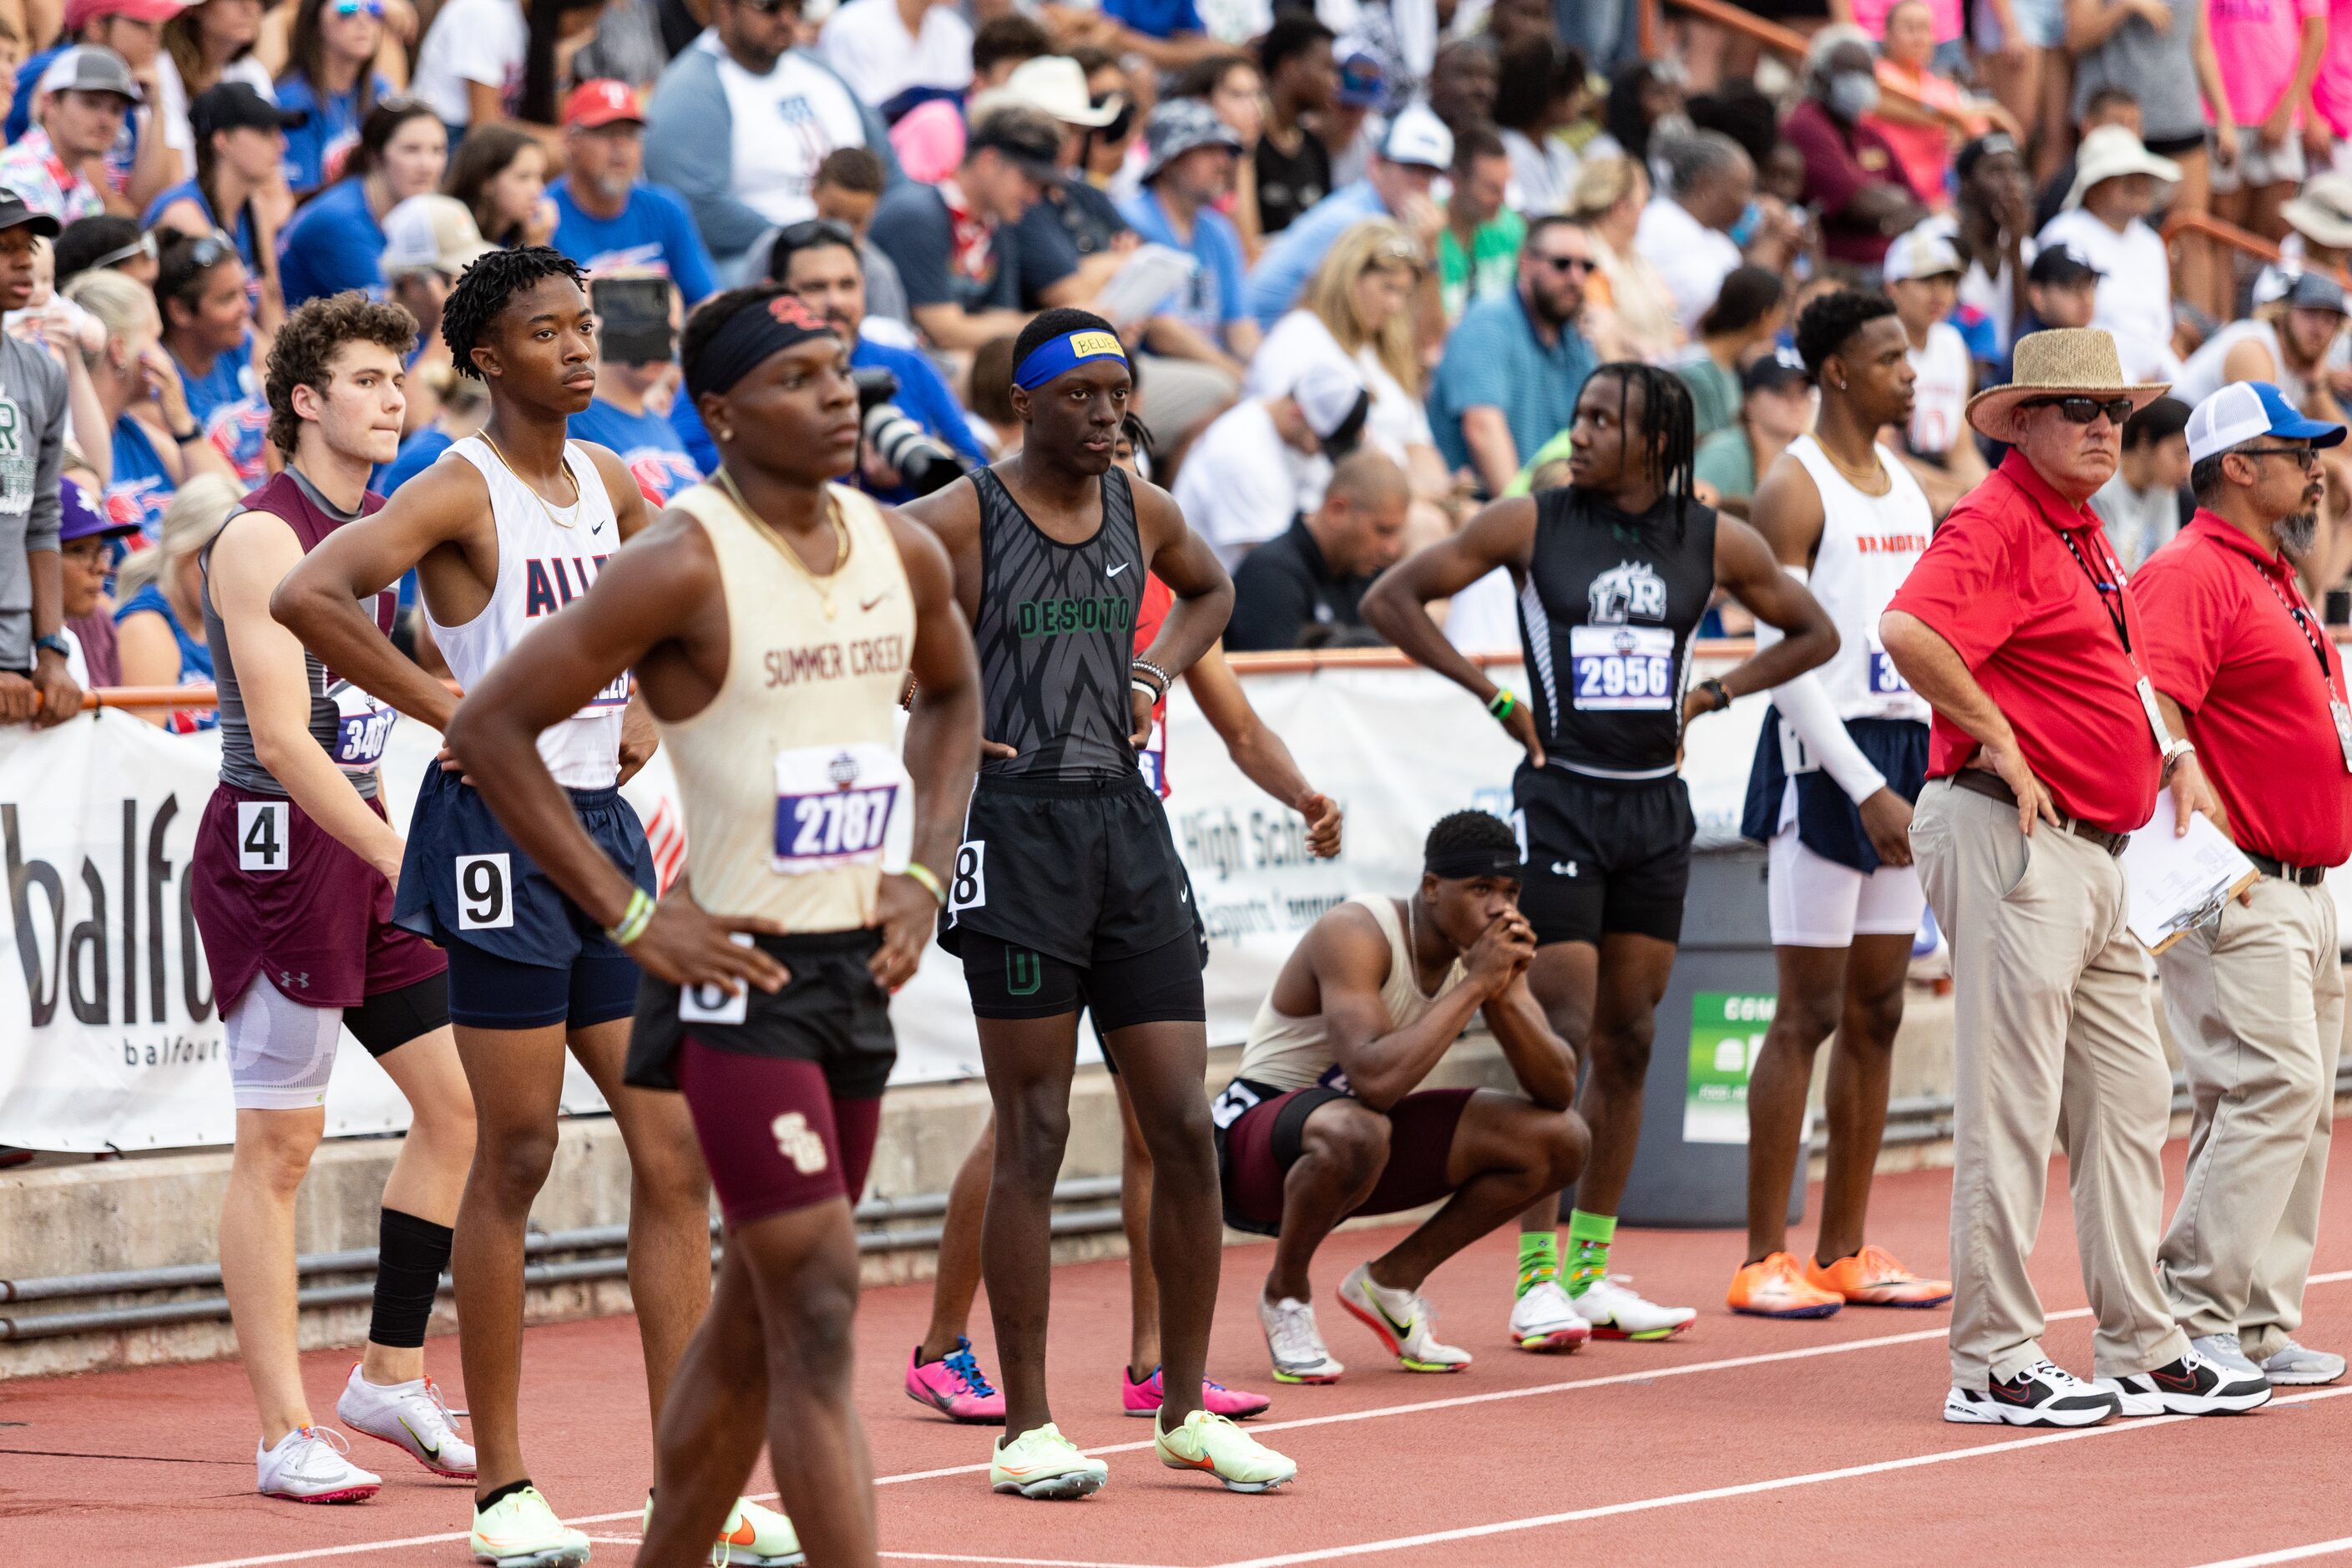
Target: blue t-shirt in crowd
315,152
687,420
1292,257
195,659
142,486
925,398
647,443
1156,18
654,233
1494,360
227,400
334,243
417,453
1213,297
189,190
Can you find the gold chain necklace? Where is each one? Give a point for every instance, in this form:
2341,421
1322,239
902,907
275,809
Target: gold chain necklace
526,484
820,581
1867,477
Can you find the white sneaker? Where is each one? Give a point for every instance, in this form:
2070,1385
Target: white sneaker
2043,1395
2194,1385
1403,1322
1295,1344
2224,1350
412,1417
2299,1366
1545,1320
1609,1305
308,1465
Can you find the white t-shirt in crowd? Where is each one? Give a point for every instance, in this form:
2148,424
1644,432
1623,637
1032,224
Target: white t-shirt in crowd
866,41
2202,377
1242,483
784,124
1693,259
1939,390
2135,297
472,40
1395,424
1543,178
171,99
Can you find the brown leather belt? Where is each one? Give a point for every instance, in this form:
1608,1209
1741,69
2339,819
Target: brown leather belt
2301,876
1982,781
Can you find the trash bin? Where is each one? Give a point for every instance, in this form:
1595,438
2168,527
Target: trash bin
1690,1169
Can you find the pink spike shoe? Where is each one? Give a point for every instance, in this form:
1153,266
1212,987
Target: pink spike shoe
954,1386
1143,1398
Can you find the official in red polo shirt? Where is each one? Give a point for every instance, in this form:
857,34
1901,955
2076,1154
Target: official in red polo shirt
1852,177
2046,750
2256,1000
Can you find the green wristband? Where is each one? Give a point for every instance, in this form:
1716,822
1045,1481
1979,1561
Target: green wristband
929,879
1501,704
633,918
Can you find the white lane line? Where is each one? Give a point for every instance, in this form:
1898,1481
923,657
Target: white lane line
2288,1554
1749,1488
1727,1364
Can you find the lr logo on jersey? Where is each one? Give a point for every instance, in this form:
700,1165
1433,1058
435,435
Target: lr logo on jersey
1632,590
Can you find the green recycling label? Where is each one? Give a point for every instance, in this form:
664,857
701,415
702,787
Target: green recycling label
1726,1036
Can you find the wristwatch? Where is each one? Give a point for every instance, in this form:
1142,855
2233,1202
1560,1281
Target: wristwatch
1714,689
2182,747
53,643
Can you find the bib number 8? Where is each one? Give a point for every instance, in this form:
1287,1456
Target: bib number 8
968,890
485,893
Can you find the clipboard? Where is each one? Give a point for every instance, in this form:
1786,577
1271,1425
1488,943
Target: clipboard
2173,884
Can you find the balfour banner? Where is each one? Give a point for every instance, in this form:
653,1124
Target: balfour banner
109,1036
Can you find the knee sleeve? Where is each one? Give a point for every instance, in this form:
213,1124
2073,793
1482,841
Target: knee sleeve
280,1052
411,1254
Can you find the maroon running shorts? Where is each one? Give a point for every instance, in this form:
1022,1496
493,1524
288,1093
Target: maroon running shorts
773,1135
275,894
1263,1143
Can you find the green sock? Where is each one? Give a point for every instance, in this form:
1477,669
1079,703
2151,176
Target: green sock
1538,1259
1588,1237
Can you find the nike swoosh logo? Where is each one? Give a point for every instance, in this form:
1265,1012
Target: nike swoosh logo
869,604
1117,569
744,1535
430,1451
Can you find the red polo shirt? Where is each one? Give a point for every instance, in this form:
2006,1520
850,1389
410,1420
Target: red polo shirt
1999,583
2222,643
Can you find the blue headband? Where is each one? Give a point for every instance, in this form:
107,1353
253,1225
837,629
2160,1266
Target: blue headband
1071,350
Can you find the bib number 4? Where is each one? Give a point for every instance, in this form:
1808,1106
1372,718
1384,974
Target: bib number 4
264,839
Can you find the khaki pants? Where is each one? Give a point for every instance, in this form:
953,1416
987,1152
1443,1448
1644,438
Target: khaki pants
2256,1005
2054,1035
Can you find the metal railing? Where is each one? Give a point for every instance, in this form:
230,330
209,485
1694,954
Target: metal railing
1770,35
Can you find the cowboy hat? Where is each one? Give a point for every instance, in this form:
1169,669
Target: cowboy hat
2063,361
2109,153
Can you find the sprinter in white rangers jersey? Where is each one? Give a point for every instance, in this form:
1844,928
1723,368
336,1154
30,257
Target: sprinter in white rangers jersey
504,531
1840,761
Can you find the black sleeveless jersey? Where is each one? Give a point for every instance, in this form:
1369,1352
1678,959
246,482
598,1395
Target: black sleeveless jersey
1057,637
1605,619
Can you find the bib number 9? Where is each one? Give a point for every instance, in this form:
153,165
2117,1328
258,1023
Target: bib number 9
485,893
1620,669
264,841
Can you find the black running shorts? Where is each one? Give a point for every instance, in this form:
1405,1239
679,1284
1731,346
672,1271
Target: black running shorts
830,1012
1009,981
1601,857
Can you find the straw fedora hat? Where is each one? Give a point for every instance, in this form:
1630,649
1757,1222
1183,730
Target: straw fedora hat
2063,361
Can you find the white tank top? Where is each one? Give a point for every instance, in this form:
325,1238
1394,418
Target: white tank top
796,801
2200,378
548,556
1869,544
1292,1053
1940,395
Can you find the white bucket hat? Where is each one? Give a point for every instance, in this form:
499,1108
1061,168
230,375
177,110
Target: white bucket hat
2110,153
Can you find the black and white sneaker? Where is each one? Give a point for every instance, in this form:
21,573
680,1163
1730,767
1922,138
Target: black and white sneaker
2040,1395
2196,1384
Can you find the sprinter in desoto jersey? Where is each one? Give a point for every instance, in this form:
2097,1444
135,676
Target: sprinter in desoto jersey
291,887
773,618
503,531
1841,758
1613,573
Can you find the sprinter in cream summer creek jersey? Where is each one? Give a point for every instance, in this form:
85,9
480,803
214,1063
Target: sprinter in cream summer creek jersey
503,531
773,618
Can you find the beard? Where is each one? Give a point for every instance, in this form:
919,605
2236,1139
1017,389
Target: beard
2297,534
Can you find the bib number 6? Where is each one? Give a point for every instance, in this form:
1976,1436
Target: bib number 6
485,893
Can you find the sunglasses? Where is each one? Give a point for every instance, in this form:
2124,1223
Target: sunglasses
2305,457
2085,410
1568,263
356,8
144,245
809,231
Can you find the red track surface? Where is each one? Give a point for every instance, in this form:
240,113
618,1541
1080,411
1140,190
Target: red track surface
1744,1440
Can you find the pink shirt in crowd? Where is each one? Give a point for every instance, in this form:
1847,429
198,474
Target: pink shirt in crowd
1870,16
2331,90
2256,43
1924,151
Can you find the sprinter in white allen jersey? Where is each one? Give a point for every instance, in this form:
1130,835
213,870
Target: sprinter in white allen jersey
504,531
1841,759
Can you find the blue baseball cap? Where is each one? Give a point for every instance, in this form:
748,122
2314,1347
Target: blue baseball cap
79,516
2245,411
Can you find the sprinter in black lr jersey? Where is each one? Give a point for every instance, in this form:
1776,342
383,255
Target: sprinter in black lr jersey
1067,892
1613,573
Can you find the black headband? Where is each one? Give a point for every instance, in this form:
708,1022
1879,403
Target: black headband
756,329
1484,860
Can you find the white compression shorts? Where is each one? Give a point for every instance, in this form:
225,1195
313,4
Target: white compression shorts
280,1052
1816,902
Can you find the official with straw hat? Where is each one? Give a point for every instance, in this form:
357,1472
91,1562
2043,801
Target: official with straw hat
2046,750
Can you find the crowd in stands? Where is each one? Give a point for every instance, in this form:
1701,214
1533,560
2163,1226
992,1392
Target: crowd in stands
1364,252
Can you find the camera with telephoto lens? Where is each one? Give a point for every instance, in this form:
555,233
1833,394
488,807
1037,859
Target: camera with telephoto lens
923,462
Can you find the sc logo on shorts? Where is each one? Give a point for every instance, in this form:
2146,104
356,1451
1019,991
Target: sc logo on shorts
798,1141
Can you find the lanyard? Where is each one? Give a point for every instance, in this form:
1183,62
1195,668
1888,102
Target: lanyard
2111,594
2302,618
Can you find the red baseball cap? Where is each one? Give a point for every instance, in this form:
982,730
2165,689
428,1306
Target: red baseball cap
81,13
595,104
